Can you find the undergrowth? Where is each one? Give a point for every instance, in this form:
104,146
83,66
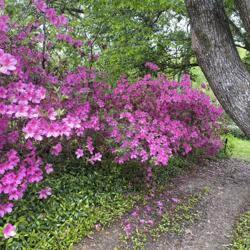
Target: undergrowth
83,196
242,234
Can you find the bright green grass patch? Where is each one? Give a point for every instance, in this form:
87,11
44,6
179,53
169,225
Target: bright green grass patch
242,234
240,148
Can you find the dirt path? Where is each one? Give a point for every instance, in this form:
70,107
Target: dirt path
229,197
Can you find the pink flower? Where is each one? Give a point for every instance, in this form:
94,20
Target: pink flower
62,20
98,227
9,231
44,193
49,168
2,4
128,229
134,214
3,92
150,222
142,221
40,5
203,85
159,203
5,209
175,200
8,63
78,43
79,153
152,66
4,23
52,114
90,145
95,157
57,149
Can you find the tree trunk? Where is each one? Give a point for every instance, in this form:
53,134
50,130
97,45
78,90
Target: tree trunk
217,56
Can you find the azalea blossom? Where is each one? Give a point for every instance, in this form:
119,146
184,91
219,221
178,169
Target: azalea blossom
95,157
98,227
128,228
4,20
79,153
9,231
203,85
7,63
49,168
2,4
5,208
45,193
152,66
57,149
175,200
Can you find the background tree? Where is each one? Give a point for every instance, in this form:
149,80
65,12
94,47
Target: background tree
129,33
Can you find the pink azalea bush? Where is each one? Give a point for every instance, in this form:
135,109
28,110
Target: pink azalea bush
154,119
74,114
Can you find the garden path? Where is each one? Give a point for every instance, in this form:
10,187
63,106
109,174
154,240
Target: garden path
228,181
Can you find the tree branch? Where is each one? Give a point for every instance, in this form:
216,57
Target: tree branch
244,10
239,33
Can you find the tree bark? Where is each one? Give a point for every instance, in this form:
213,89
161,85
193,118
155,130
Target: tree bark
217,55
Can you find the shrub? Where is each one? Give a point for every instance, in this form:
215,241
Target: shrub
48,112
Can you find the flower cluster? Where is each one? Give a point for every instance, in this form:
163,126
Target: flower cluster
7,63
70,40
50,13
152,66
2,4
154,119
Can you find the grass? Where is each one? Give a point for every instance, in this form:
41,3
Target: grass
240,148
242,234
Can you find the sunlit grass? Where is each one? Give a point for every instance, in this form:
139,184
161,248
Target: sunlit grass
240,148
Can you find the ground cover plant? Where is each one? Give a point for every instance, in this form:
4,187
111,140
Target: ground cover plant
83,200
242,232
54,111
160,213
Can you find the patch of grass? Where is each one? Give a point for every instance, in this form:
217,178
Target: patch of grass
242,234
240,148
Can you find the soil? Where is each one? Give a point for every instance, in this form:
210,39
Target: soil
228,181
